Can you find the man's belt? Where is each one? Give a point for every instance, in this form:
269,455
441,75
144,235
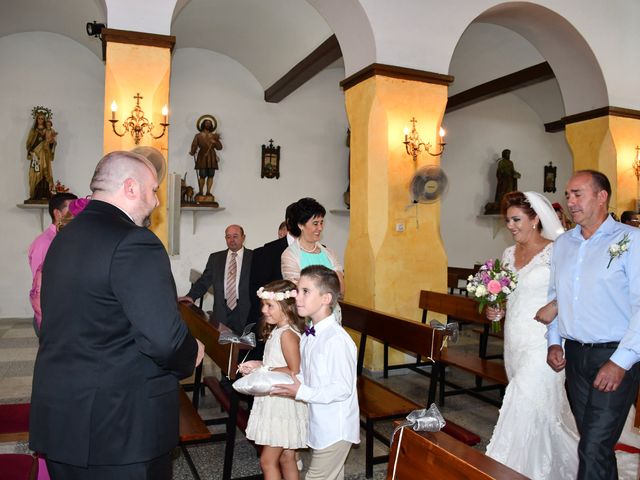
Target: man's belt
609,345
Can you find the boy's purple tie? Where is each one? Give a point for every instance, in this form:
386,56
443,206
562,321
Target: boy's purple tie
310,331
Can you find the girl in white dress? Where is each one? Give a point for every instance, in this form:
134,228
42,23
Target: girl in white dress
536,433
278,423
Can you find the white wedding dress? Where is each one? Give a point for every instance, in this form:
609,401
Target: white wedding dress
536,433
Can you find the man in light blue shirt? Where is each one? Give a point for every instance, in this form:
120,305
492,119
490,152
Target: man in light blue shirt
595,279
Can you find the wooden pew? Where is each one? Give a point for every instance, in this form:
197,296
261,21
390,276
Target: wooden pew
376,401
226,358
457,274
466,309
454,276
437,456
192,430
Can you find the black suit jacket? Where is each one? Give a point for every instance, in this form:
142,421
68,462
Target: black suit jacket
265,268
213,275
112,345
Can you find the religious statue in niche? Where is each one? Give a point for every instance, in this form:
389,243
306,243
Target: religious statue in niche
549,178
507,182
41,148
347,195
203,149
270,163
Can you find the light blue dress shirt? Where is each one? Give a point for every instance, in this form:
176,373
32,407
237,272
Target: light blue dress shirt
597,304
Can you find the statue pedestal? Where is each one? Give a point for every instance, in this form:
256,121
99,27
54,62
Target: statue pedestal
492,208
208,200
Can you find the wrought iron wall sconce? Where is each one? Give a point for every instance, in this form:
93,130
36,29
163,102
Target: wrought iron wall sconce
414,144
137,124
636,169
636,164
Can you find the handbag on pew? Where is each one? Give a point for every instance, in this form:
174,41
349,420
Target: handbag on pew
260,381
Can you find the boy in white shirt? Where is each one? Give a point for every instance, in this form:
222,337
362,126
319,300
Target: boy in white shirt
327,379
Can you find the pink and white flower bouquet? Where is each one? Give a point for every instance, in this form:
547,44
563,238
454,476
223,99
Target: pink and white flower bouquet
491,286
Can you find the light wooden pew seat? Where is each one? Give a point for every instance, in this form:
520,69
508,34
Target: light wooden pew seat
437,456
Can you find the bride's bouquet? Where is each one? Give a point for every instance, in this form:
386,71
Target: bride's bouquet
491,286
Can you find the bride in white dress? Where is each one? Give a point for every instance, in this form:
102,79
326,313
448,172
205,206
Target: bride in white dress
536,433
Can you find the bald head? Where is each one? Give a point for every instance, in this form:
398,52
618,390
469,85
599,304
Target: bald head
128,181
115,167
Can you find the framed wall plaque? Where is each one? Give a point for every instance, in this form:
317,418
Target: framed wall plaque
270,161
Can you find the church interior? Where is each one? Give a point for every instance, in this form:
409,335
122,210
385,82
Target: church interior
553,81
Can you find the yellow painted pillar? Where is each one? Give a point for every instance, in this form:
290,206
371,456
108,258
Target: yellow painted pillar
394,248
138,63
608,144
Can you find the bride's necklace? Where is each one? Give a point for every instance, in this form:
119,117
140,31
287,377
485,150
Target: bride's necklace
313,250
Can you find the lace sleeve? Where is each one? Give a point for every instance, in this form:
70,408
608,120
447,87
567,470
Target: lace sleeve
508,257
545,255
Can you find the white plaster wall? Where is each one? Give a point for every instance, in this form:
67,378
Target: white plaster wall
52,70
486,52
578,53
310,126
476,137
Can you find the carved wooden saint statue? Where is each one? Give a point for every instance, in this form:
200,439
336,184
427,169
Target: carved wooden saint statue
41,147
203,148
507,181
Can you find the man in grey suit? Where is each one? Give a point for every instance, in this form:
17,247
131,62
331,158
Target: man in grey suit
228,272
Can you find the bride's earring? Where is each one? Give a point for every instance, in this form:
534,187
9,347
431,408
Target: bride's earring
534,226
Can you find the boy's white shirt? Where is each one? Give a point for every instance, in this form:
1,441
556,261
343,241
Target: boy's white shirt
328,377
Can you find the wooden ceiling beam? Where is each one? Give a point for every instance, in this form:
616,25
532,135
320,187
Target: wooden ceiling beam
522,78
323,56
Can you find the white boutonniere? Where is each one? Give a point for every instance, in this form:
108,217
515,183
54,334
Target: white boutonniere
617,249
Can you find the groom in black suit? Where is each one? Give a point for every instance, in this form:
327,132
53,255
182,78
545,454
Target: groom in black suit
231,298
105,398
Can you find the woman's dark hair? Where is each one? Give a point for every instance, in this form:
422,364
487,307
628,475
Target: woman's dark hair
288,306
518,200
301,212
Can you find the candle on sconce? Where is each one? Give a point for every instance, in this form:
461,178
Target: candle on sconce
442,133
165,114
114,109
406,134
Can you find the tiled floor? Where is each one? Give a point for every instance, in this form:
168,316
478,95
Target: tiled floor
18,348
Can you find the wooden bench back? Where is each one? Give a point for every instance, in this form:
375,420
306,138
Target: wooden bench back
396,332
454,306
201,329
436,455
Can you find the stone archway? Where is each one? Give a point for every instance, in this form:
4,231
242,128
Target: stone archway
573,62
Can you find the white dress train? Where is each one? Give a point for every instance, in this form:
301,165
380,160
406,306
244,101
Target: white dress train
536,433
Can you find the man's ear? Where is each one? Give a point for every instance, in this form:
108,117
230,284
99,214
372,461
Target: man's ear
57,215
603,196
130,187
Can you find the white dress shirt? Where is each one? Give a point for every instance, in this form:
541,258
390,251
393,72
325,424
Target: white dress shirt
238,268
328,376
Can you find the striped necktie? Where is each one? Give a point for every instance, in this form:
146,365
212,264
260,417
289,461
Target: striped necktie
230,285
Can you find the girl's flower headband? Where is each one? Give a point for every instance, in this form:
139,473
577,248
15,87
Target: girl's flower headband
278,296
